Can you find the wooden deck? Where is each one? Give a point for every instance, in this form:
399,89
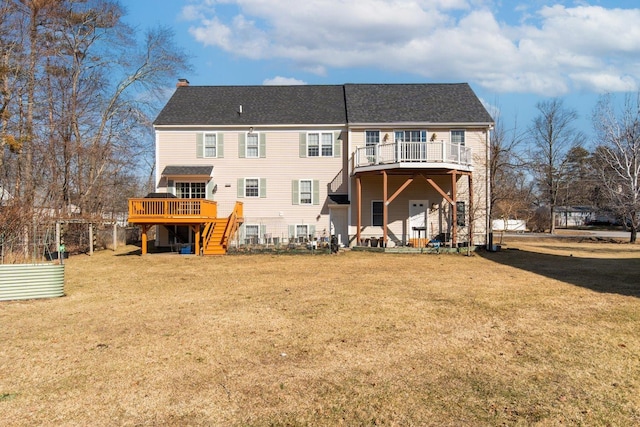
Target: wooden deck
200,215
171,211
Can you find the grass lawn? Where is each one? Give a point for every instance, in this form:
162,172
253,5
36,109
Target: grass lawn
542,332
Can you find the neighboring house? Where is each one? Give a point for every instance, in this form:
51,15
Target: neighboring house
390,161
574,216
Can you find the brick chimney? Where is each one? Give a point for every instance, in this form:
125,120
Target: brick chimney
182,83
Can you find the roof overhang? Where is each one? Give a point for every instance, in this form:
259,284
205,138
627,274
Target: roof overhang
187,171
420,124
256,126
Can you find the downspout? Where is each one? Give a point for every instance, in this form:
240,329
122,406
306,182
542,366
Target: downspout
487,189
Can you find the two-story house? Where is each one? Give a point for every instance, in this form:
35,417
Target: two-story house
402,163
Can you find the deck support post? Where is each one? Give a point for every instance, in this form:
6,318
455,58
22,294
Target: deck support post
385,209
471,214
145,228
454,210
196,230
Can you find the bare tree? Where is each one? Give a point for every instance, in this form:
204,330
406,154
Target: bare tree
551,137
505,178
79,90
619,157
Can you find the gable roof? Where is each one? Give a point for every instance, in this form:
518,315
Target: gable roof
261,105
322,105
431,103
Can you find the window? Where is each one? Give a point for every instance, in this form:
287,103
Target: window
371,138
210,145
327,145
302,231
457,137
305,192
252,234
460,214
190,190
377,214
251,187
313,145
411,135
252,145
320,144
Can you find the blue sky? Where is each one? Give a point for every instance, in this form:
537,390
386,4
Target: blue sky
512,53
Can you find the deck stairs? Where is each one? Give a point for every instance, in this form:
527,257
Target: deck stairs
200,215
217,234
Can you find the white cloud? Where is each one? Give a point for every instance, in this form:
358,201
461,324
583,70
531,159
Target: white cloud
283,81
605,82
549,51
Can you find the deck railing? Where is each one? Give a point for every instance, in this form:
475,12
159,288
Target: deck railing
172,208
412,152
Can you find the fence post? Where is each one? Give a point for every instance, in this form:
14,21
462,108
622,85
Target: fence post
90,239
115,235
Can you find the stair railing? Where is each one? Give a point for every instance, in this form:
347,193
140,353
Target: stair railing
235,219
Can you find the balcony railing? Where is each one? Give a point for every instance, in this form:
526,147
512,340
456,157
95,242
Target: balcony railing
171,208
413,152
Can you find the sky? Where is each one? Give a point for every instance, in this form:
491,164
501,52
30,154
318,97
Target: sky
513,53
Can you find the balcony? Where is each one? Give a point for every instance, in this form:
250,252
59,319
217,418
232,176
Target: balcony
416,155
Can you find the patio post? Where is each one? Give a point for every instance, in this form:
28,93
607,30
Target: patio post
359,208
454,210
385,214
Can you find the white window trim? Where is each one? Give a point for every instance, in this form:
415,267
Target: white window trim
306,236
380,141
246,187
464,136
177,183
320,133
204,145
300,192
426,134
246,145
257,235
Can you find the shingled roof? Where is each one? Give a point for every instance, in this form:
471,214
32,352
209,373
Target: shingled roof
174,170
325,104
261,105
431,103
